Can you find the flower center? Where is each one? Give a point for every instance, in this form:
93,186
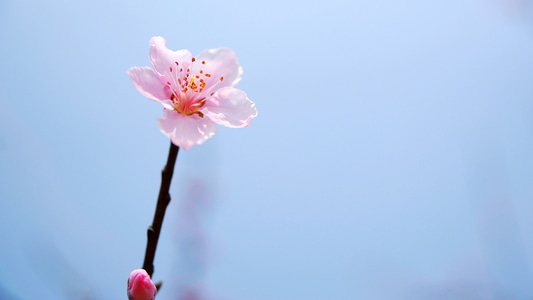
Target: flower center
186,106
189,90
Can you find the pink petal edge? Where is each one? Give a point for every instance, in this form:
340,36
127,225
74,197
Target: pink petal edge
163,58
231,107
222,62
146,81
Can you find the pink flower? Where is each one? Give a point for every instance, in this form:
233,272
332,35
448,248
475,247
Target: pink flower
196,92
140,286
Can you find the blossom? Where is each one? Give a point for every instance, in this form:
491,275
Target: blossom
140,286
196,92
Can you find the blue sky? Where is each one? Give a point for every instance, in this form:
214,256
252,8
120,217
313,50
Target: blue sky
391,158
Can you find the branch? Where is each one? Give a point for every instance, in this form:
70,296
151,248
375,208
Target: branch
162,202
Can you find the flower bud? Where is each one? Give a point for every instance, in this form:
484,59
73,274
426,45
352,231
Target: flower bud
140,286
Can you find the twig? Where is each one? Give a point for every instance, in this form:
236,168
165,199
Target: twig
162,202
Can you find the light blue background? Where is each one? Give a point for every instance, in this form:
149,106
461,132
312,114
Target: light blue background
392,157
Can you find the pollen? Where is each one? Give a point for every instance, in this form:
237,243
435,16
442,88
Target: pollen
192,84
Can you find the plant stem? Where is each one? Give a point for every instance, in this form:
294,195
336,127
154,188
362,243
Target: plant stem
162,202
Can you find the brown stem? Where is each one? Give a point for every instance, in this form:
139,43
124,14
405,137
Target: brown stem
162,202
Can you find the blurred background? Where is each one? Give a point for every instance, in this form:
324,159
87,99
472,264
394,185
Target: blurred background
392,157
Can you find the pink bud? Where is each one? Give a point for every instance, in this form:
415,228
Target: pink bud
140,286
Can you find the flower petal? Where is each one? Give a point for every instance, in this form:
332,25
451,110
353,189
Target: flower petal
146,81
223,66
186,131
230,107
163,59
